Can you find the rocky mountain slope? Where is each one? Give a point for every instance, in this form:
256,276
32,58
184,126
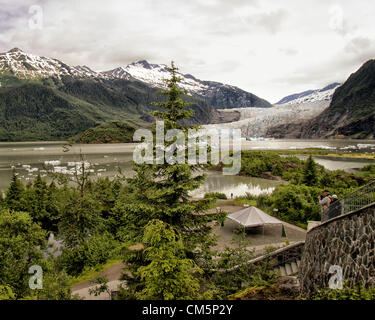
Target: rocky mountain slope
221,96
43,98
351,112
297,108
218,95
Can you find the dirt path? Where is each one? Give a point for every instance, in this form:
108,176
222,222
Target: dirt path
112,273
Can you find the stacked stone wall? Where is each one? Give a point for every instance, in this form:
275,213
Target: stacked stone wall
347,241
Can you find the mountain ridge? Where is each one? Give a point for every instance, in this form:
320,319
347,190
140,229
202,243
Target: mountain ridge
218,95
325,93
351,112
45,99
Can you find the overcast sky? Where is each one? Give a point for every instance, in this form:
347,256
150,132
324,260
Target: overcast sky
271,48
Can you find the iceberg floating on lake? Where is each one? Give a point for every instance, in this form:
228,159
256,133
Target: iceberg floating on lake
52,162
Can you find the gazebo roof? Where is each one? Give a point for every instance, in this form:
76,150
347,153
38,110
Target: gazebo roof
253,217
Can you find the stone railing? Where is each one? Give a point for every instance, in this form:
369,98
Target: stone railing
347,242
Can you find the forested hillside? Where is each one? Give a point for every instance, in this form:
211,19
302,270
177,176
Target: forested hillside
55,109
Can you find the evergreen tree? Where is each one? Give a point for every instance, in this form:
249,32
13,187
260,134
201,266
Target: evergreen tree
161,191
14,198
310,173
79,219
41,205
169,275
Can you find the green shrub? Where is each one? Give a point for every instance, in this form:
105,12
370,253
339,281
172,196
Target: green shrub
296,204
215,195
96,250
346,293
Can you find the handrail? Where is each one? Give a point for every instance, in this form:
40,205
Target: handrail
355,200
278,252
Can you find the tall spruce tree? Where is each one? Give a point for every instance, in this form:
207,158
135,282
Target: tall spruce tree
14,198
40,204
310,172
161,191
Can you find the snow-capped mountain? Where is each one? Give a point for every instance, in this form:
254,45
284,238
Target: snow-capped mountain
24,65
218,95
324,94
292,109
119,73
154,74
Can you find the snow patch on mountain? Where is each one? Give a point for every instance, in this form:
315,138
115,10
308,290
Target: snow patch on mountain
324,94
220,96
24,65
119,73
155,74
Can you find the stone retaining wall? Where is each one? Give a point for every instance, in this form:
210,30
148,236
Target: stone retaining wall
347,241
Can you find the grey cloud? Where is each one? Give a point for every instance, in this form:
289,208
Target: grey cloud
345,29
333,69
271,21
220,40
10,17
358,44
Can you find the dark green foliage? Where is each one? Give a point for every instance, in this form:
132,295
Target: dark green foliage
35,112
105,193
346,293
296,171
108,132
215,195
14,198
254,163
80,217
20,243
310,172
53,109
40,202
168,274
368,170
296,203
91,252
55,284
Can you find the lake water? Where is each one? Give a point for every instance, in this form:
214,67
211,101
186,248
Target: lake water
29,158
